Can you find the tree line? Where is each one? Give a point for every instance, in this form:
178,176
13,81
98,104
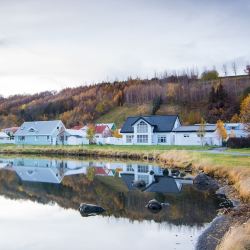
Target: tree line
210,96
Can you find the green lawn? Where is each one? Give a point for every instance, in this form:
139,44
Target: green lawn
239,150
223,159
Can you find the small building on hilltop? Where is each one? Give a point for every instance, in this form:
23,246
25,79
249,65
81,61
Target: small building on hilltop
41,133
150,130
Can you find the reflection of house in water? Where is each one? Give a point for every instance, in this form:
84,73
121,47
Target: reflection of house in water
54,170
154,179
50,171
44,170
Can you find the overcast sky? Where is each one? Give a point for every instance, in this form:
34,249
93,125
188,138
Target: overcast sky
53,44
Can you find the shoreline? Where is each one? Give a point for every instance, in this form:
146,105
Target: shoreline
238,177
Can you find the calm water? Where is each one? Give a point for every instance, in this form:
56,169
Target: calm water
39,200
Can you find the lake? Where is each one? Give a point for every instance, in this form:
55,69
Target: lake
40,197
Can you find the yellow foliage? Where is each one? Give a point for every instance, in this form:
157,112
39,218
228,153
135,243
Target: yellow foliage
221,129
116,134
245,110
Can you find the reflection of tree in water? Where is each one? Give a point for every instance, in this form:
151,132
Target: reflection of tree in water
189,207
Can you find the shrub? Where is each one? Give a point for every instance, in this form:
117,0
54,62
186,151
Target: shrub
209,75
243,142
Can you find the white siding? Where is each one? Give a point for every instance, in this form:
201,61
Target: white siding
191,138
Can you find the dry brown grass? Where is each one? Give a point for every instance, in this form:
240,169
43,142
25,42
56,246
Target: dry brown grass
237,238
218,166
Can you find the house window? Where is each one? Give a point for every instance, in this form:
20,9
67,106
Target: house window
130,168
162,139
47,138
142,138
142,169
129,138
186,135
21,138
36,138
142,127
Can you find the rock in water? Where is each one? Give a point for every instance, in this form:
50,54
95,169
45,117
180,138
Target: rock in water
139,184
205,182
226,204
155,206
90,209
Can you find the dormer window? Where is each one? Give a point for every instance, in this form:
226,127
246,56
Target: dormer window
31,130
142,127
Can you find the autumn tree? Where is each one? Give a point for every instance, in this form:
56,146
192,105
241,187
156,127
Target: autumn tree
116,134
91,133
157,101
202,131
221,131
245,112
235,118
219,104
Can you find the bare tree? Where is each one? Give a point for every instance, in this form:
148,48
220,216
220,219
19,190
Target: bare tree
247,69
234,68
224,68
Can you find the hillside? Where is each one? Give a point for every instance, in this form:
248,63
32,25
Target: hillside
191,98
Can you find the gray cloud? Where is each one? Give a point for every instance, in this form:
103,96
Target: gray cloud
76,41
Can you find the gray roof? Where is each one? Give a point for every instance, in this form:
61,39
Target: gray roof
194,128
3,135
40,128
164,185
128,180
161,123
74,132
37,174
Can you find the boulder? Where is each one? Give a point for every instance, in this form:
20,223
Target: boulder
139,184
226,204
205,182
154,206
90,209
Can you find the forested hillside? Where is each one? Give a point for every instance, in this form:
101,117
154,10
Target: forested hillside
190,97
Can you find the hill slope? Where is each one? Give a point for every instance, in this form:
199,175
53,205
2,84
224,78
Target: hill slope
108,102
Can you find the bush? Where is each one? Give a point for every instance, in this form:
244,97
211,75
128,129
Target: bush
243,142
209,75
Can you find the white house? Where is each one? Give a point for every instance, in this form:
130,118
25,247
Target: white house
188,135
236,130
4,138
75,137
102,131
150,130
41,133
